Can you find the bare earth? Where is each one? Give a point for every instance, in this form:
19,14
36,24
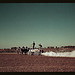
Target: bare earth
25,63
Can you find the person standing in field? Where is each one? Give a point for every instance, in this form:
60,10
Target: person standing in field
33,44
22,49
40,47
18,50
26,49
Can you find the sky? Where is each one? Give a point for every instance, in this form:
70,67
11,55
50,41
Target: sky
51,24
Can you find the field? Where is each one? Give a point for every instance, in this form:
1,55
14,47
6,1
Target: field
26,63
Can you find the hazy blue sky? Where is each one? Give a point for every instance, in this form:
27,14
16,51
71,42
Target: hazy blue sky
51,24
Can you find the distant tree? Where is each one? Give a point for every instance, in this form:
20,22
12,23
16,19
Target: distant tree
14,48
48,47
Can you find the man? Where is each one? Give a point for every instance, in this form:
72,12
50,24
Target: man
33,44
40,46
26,49
18,50
22,49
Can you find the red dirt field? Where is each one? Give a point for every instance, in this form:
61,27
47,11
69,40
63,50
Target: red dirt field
26,63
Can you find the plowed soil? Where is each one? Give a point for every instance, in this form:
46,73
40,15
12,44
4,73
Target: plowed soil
26,63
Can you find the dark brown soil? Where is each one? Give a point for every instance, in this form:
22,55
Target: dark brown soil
25,63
